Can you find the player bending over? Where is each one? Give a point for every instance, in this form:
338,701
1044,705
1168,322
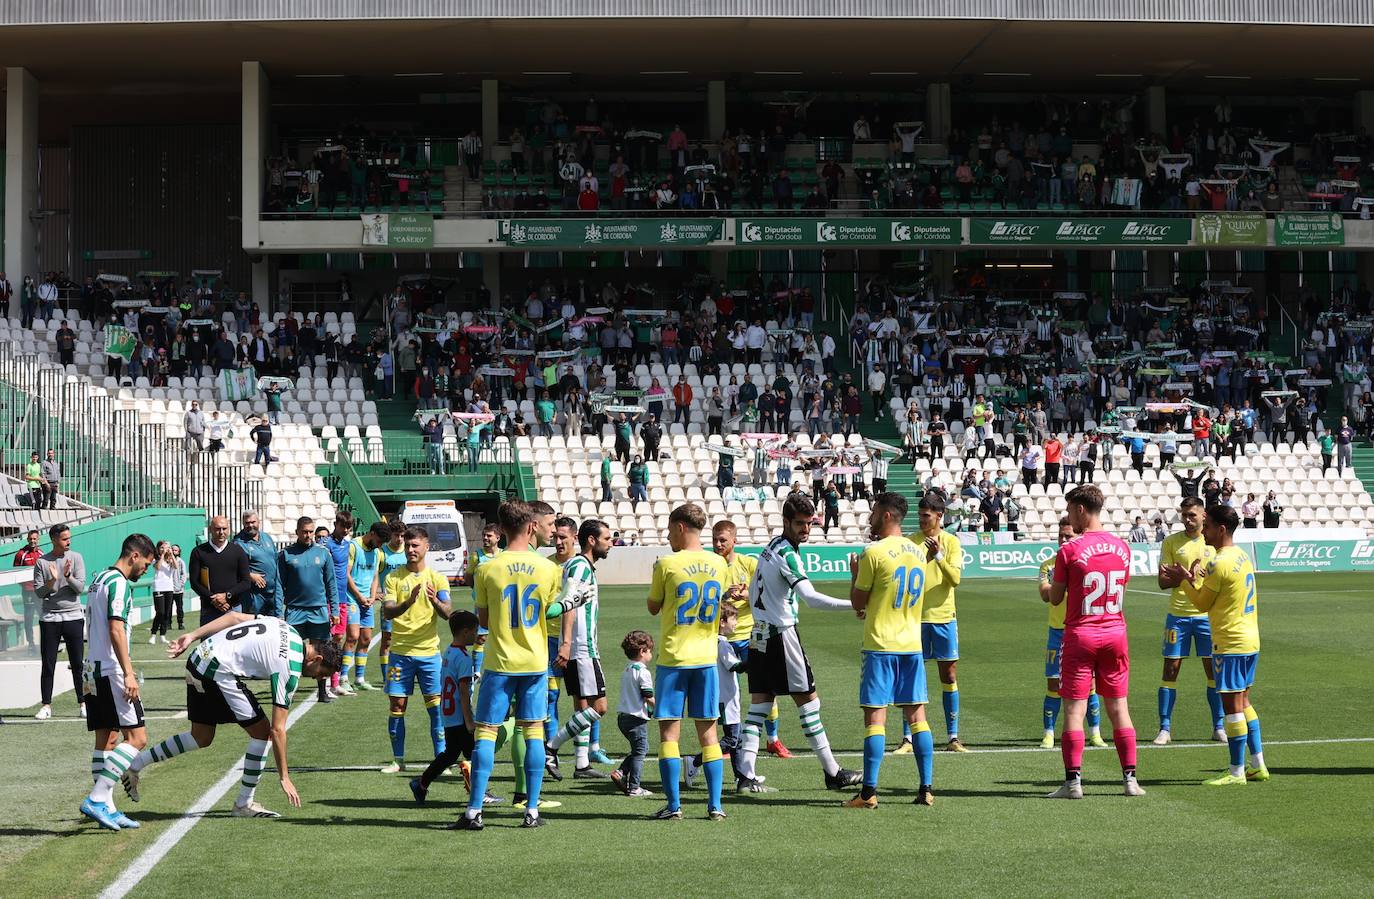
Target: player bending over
236,647
777,662
108,681
1090,574
1054,652
1228,595
888,586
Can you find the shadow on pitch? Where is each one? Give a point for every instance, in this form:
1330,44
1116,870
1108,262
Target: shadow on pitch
1339,772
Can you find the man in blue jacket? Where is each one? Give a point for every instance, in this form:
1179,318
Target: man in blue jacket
265,597
338,543
309,589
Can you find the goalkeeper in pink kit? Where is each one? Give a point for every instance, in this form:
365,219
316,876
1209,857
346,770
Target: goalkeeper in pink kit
1090,575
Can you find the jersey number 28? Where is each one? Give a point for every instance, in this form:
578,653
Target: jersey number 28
1096,584
708,595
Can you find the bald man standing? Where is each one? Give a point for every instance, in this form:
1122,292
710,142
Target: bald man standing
219,572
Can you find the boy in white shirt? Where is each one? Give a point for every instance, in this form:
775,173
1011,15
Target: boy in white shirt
634,710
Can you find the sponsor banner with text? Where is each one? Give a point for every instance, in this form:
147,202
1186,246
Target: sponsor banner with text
859,232
1318,229
1231,229
1050,232
623,233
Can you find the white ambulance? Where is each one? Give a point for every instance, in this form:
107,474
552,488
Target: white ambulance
448,543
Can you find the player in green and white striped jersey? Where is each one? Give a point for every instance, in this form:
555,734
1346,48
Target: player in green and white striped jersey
777,663
238,646
109,683
578,655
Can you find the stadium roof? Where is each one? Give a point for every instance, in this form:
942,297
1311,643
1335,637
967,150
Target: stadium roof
66,12
778,52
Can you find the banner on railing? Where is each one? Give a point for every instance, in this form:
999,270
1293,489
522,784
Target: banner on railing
1231,229
625,233
1131,232
1320,229
398,230
858,232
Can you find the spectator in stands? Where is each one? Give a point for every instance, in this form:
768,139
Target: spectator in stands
991,507
66,344
166,569
1345,438
6,294
1138,533
651,432
52,480
47,297
216,430
1250,512
261,435
1054,452
682,401
59,581
433,434
638,476
1327,443
219,572
1273,510
605,476
472,154
33,480
830,498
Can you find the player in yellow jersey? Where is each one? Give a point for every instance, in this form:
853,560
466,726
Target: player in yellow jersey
742,570
516,595
416,600
1185,628
1228,595
687,590
939,626
888,586
1054,654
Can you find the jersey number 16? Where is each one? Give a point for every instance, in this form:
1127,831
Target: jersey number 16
1096,584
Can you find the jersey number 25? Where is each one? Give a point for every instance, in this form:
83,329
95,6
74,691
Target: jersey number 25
1096,585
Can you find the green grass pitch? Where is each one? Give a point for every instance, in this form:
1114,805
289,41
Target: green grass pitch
359,832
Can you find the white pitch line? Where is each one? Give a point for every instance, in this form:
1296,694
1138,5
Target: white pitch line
149,858
1146,745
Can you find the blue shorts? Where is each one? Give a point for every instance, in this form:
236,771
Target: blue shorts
892,678
403,671
940,642
386,624
1235,673
554,673
687,693
1184,634
1054,652
360,616
496,691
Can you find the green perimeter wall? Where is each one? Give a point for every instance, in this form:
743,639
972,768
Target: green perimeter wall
99,542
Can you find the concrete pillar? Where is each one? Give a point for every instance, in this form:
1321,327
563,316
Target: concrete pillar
1364,110
264,291
256,133
715,110
491,277
491,114
942,264
21,176
937,118
1364,269
1156,122
1159,268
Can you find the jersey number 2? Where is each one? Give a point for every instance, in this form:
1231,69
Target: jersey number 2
1095,584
